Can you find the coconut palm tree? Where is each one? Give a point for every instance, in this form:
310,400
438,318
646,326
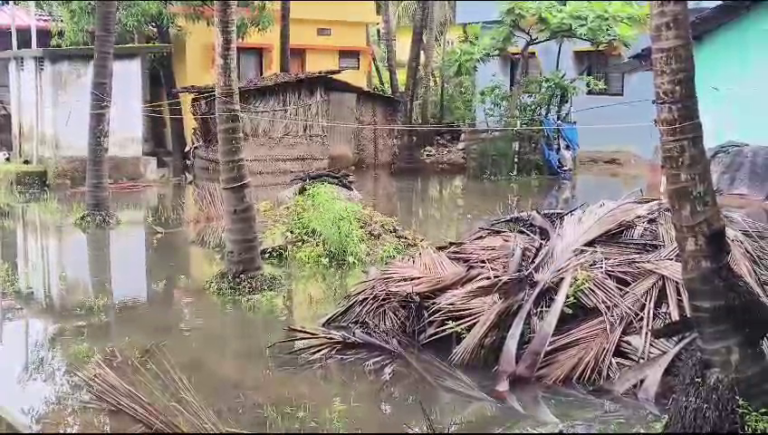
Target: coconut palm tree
285,36
414,59
239,215
724,314
430,36
97,195
388,30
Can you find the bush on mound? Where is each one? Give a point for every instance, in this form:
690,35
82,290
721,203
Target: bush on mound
320,227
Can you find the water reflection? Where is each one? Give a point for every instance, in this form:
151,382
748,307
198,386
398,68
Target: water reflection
223,348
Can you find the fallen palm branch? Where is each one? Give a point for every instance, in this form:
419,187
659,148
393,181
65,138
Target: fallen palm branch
151,390
553,296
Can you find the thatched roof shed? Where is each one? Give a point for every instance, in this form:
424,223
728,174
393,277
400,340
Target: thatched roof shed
292,121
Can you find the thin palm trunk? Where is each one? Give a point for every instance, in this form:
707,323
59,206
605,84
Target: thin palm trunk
414,60
97,195
176,118
706,402
285,36
441,115
377,67
430,33
389,43
239,215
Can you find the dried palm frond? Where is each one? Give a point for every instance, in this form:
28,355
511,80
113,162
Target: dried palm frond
495,295
155,394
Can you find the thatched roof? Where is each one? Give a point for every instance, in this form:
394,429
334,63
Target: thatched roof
275,81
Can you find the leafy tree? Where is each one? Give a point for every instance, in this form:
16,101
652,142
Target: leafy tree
604,24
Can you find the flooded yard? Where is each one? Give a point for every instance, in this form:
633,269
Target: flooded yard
142,283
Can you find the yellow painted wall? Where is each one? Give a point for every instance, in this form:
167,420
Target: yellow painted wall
194,45
403,42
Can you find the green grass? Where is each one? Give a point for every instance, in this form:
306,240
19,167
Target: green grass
321,228
81,353
753,421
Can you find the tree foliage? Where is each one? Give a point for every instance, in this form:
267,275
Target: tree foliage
598,22
75,19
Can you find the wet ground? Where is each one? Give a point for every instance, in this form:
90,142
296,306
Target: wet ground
142,283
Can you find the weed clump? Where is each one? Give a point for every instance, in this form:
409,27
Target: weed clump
225,285
320,227
96,219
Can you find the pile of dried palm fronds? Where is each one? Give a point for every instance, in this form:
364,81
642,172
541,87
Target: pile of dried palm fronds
150,389
556,296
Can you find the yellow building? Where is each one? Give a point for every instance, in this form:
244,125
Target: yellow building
404,35
324,35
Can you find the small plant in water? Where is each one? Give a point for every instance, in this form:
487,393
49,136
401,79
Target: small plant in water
92,306
225,285
9,281
81,353
88,220
753,421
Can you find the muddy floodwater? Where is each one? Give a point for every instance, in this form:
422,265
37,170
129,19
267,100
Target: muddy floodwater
142,283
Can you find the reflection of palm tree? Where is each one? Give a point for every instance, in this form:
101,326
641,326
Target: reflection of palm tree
100,269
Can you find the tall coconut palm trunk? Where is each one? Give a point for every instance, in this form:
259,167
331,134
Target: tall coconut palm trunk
430,35
414,60
97,194
389,43
239,216
285,36
724,313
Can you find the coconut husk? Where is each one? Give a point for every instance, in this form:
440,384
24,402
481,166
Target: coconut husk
556,296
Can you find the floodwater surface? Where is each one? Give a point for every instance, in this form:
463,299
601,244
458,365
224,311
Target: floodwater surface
141,283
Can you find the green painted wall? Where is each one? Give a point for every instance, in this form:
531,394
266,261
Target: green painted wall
732,80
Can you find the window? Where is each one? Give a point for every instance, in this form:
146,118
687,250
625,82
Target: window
249,65
323,31
595,64
534,67
298,61
349,60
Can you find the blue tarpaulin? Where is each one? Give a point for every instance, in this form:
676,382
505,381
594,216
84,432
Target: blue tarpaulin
570,135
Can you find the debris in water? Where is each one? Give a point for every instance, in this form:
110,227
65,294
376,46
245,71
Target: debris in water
553,296
155,394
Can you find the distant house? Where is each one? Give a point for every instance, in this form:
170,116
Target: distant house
626,102
50,104
731,60
292,121
324,35
22,18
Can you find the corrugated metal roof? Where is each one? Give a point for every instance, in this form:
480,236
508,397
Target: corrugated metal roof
23,18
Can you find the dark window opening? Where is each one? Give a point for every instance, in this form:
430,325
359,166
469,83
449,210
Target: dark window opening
298,61
349,60
595,64
323,31
534,67
249,65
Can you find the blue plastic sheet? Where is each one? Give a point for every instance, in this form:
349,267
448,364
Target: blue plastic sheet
570,135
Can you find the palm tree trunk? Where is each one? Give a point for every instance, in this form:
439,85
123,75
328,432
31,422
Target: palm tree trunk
389,43
441,115
430,33
285,36
176,118
376,67
97,195
414,59
706,400
239,215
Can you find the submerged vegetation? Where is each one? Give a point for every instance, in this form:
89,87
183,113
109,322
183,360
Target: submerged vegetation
320,228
